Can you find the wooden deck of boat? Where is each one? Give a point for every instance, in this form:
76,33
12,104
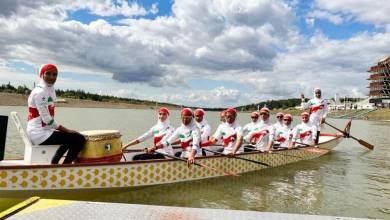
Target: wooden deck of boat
36,208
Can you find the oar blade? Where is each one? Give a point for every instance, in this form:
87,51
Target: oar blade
368,145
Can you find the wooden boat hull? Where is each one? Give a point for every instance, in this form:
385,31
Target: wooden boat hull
144,173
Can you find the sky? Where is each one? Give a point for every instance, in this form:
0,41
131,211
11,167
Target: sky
207,53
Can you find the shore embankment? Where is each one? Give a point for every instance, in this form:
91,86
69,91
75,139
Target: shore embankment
13,99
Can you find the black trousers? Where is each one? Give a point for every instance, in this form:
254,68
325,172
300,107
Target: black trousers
71,142
318,137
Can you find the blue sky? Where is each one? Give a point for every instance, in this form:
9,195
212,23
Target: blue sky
204,53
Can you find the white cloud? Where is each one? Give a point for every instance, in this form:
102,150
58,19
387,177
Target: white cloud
367,11
252,42
218,97
318,14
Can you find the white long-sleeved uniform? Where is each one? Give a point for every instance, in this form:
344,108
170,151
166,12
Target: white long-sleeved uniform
277,125
284,135
205,130
317,109
304,133
229,134
41,124
262,133
158,132
248,128
189,136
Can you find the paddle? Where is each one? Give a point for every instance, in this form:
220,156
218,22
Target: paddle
362,142
240,158
273,152
227,173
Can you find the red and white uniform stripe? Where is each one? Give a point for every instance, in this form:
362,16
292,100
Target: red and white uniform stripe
304,133
158,132
284,135
189,136
41,108
317,109
229,134
261,134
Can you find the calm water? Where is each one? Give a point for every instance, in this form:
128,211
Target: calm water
350,181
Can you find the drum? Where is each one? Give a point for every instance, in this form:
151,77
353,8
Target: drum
101,146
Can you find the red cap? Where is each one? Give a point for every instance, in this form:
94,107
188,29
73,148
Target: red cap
186,112
231,111
305,113
288,116
199,111
264,110
254,114
47,67
163,110
279,114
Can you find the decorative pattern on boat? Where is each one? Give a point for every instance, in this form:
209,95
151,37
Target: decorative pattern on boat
141,174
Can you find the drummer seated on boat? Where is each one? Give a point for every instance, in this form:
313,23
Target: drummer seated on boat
283,135
161,129
188,134
262,135
42,129
304,134
230,132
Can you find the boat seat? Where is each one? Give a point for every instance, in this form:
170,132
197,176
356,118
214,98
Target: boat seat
33,154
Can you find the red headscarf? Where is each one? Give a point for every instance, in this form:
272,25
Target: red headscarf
199,111
164,110
47,67
255,114
288,117
305,113
231,111
264,110
186,112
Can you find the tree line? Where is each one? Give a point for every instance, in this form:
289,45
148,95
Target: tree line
81,94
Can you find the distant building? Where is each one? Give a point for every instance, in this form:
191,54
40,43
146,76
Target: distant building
380,83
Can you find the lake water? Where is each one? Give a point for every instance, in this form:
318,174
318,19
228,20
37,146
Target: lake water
350,181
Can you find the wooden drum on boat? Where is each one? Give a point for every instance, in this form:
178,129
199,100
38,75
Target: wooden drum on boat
101,146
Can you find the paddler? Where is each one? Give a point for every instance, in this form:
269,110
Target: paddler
279,121
204,127
250,126
262,135
230,132
188,134
42,129
161,129
304,132
283,135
